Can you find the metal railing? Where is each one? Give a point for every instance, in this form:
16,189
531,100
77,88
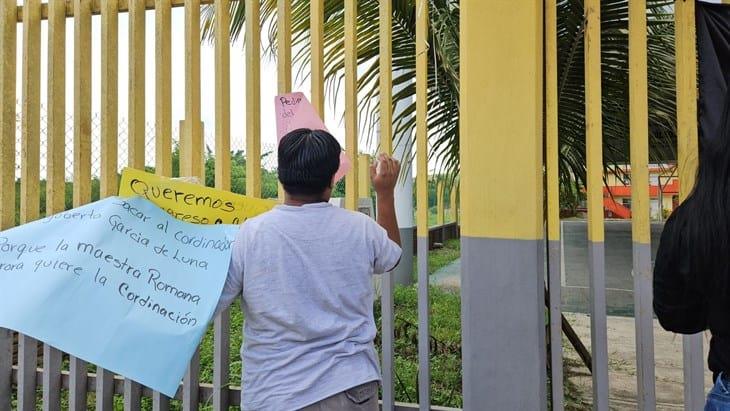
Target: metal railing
495,225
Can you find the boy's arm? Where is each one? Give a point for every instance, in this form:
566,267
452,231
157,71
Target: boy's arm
384,173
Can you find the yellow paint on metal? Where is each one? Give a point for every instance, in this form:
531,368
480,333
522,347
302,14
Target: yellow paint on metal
123,7
163,88
639,122
222,96
109,97
191,158
56,134
501,74
253,99
594,122
440,203
422,49
351,144
82,103
364,174
687,150
137,76
316,33
8,40
454,209
552,143
283,67
31,117
386,76
283,36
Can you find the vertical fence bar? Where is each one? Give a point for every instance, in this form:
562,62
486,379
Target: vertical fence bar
27,359
253,98
30,175
82,102
316,33
386,76
553,203
452,202
81,159
31,116
6,366
8,39
687,135
641,227
104,389
222,323
191,381
594,166
440,204
351,131
163,88
363,174
191,156
191,148
283,54
55,169
502,278
137,85
109,121
163,117
386,146
221,357
132,394
8,16
422,46
222,96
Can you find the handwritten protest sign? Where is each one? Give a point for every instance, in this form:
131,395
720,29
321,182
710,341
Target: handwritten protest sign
294,111
189,202
119,283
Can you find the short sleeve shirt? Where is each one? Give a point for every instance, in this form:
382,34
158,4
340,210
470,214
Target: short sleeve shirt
305,274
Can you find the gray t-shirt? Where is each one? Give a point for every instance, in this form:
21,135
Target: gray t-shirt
306,278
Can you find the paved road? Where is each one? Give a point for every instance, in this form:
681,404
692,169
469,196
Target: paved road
619,281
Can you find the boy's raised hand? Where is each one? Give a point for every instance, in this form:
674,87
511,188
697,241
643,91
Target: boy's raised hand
384,173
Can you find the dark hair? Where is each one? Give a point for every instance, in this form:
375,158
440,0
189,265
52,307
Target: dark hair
308,159
704,219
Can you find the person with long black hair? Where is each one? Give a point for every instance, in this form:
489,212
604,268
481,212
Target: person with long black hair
692,268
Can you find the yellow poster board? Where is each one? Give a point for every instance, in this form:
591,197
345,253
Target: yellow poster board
191,202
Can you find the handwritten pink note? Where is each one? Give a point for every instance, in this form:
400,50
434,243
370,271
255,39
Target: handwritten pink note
294,111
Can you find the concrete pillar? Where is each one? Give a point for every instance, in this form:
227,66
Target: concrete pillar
502,252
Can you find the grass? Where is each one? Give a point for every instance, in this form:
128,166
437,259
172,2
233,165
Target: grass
442,257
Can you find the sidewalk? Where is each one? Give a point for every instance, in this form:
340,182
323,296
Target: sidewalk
449,276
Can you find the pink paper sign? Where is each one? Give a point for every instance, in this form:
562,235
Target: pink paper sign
294,111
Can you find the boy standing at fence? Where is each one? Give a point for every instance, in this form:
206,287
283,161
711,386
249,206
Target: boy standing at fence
304,270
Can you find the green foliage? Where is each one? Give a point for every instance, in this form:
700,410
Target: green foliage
570,199
445,329
443,72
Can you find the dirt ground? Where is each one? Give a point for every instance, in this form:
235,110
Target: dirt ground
622,364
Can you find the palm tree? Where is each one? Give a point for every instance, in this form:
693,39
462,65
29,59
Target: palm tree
443,72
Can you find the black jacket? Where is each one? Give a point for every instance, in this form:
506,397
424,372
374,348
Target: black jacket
680,305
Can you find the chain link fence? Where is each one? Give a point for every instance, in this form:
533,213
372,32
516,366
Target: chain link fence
268,157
